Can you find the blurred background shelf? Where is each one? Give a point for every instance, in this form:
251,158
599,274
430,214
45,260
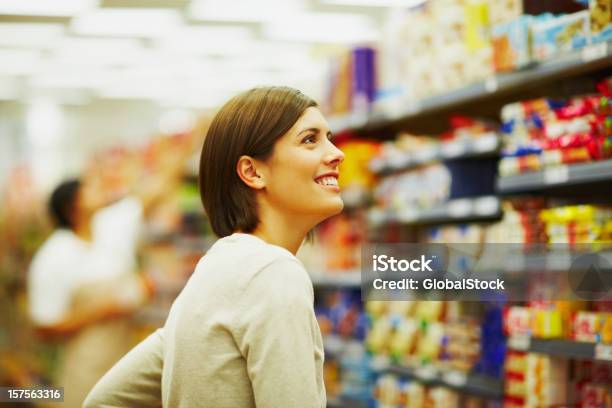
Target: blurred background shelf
459,210
344,403
485,146
473,384
595,175
501,86
563,348
346,279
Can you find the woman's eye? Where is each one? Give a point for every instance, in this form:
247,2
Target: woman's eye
310,139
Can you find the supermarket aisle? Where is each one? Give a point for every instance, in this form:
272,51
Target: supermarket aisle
478,123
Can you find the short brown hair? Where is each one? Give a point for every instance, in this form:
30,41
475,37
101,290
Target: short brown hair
248,124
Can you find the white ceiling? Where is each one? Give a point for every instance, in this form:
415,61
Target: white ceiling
184,53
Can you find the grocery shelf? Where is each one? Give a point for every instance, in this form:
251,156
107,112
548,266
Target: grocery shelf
337,279
336,345
484,146
562,348
344,403
459,210
559,176
575,63
473,384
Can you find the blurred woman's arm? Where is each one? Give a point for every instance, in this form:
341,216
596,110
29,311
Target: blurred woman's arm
100,300
135,381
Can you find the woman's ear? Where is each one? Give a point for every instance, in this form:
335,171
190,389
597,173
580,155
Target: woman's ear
247,169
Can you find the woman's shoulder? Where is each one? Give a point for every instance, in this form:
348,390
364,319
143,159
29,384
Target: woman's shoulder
246,259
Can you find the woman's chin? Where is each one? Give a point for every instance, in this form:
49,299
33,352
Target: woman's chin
335,207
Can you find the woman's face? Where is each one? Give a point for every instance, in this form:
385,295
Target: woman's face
301,176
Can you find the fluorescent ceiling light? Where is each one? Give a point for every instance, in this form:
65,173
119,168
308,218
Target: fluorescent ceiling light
73,78
29,34
132,92
376,3
98,51
243,10
18,62
52,8
208,40
127,22
323,28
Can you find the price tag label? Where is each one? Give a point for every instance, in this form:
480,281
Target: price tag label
425,373
491,84
380,363
398,161
594,51
486,143
486,206
453,149
425,155
519,342
603,352
556,175
408,214
459,208
455,378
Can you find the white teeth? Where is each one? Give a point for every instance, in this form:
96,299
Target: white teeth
328,181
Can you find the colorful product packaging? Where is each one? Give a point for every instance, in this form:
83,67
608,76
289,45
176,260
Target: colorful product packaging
601,20
546,381
553,35
511,44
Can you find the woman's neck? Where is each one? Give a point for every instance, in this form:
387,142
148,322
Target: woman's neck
282,230
83,229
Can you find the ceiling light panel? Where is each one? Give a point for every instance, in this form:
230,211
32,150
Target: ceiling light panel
98,51
376,3
30,35
215,40
244,10
18,62
127,22
51,8
323,28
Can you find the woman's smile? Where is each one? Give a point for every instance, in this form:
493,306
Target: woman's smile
329,181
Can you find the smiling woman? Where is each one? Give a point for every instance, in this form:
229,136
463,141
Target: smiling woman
243,333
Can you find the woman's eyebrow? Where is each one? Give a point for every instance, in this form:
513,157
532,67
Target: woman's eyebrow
311,129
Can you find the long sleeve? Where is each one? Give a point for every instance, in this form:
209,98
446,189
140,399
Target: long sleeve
135,381
278,335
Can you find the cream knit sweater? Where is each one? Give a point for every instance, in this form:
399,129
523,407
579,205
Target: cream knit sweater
242,333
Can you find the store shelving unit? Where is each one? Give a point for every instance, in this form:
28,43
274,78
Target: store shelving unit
484,146
484,208
580,62
560,176
473,384
335,344
562,348
343,403
483,97
344,279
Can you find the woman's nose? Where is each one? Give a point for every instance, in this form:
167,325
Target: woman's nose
335,156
